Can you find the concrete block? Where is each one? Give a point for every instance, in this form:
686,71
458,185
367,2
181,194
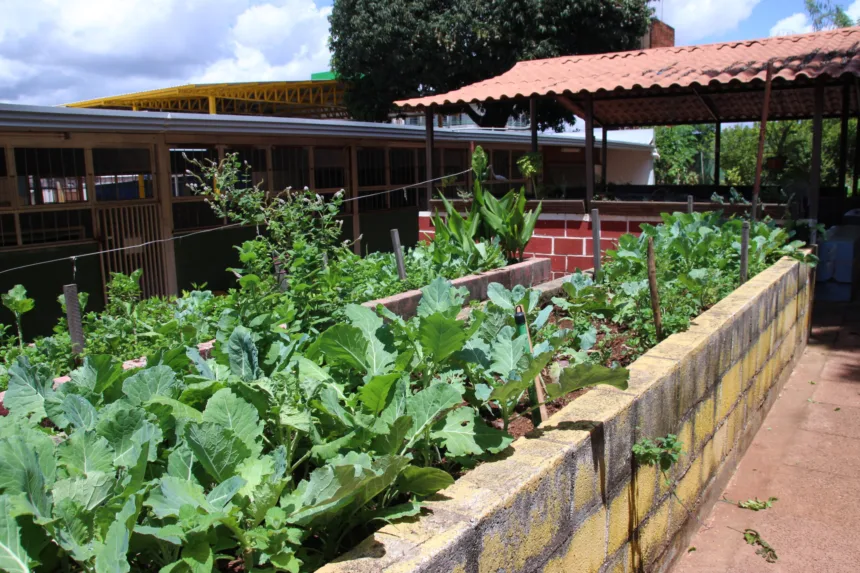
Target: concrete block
656,382
653,535
692,351
586,550
703,423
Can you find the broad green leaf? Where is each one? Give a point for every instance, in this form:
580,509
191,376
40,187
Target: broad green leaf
13,557
180,464
296,417
588,339
199,363
542,317
79,412
475,351
98,373
232,412
20,473
376,392
311,376
440,296
378,359
391,440
574,378
34,442
242,353
170,533
500,296
510,391
345,344
172,493
464,433
509,354
155,381
441,336
112,556
217,449
89,491
118,424
74,529
428,405
423,481
84,453
178,409
221,495
392,513
29,385
197,555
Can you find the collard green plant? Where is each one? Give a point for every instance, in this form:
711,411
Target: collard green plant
18,303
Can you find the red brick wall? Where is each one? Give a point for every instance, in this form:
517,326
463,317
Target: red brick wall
567,239
662,35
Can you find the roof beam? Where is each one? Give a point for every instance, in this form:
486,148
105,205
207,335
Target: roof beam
709,105
575,109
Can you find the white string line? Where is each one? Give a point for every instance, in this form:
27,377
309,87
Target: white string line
408,186
74,258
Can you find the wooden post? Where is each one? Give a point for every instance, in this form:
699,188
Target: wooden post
533,123
398,254
762,133
604,157
428,156
843,138
745,250
164,192
815,169
353,184
717,138
73,318
522,323
652,285
589,150
595,238
690,204
855,172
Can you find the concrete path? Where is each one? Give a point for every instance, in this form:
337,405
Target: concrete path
807,454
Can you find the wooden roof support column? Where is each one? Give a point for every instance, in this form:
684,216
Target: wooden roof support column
843,137
353,194
589,151
428,157
533,123
604,153
761,137
717,138
815,169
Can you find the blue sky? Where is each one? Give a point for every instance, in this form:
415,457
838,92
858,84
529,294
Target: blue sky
60,51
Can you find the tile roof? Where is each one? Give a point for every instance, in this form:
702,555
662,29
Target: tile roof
682,69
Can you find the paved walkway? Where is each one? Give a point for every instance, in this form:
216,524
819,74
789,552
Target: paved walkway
807,454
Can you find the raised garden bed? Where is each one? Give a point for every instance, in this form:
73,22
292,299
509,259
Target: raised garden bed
571,498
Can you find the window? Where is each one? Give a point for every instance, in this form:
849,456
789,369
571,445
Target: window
501,163
455,162
371,167
290,168
7,230
7,185
189,215
122,174
50,176
56,226
329,168
256,161
402,163
179,178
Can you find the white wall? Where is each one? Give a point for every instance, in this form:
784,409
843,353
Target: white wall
630,166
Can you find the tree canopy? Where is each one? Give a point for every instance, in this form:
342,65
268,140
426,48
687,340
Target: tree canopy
395,49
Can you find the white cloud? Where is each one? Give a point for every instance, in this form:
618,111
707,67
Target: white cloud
795,24
57,51
853,10
696,20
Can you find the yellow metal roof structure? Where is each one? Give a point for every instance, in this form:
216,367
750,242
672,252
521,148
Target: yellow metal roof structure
311,99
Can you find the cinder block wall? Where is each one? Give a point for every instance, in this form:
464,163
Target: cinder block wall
570,497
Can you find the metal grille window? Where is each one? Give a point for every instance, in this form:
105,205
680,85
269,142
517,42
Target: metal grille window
422,164
290,168
190,215
179,178
402,163
7,230
56,226
122,174
455,162
329,168
50,176
255,159
371,167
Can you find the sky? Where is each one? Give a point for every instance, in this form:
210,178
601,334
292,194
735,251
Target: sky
61,51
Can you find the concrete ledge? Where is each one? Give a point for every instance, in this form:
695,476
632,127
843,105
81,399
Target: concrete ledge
527,273
570,497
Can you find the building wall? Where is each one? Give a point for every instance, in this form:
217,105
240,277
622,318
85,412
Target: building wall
630,167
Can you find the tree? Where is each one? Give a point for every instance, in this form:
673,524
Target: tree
686,154
826,15
394,49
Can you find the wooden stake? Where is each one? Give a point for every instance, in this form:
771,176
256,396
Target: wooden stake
595,237
73,318
690,206
761,137
652,285
398,254
540,395
745,250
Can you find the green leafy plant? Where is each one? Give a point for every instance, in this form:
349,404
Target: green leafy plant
660,452
752,537
18,303
754,504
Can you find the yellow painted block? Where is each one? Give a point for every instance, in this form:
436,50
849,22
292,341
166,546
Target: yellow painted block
644,484
622,520
704,422
587,550
584,485
654,533
708,465
685,437
688,487
730,389
735,424
749,367
721,438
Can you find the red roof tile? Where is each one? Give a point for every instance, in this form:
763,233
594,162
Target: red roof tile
805,56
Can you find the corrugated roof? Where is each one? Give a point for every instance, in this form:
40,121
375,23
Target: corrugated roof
680,71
